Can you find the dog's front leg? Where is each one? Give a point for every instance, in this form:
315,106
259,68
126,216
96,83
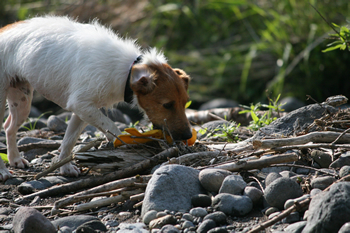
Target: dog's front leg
75,126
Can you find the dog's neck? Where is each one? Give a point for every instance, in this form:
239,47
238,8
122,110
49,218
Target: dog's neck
128,93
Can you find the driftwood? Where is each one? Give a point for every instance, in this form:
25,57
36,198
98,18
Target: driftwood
117,184
95,181
189,158
317,137
258,163
44,144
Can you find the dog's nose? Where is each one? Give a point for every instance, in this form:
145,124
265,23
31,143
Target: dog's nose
187,134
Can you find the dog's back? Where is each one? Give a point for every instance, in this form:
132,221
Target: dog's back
56,53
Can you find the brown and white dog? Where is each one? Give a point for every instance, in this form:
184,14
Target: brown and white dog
83,67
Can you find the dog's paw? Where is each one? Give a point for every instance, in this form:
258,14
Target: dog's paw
4,174
69,170
19,162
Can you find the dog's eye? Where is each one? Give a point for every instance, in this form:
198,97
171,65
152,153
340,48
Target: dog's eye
169,105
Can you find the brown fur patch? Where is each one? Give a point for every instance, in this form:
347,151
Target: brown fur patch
9,26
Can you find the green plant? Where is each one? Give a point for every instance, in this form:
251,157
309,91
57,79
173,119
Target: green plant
225,131
32,126
342,39
267,118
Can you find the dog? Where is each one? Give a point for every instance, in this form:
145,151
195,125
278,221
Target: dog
82,68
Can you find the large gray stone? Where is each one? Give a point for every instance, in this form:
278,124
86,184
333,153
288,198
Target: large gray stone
171,188
29,220
233,184
329,211
280,190
73,222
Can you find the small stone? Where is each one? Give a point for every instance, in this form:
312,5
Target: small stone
322,182
322,158
345,228
133,227
315,191
56,124
292,218
291,202
169,229
160,222
205,226
271,210
29,220
188,217
218,217
344,171
272,176
218,230
161,214
201,200
198,212
211,179
14,181
149,216
253,193
287,174
233,204
233,184
295,227
94,225
187,224
281,190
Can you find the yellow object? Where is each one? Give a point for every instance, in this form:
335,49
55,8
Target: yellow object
135,137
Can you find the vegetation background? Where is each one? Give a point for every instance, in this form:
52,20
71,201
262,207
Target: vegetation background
235,49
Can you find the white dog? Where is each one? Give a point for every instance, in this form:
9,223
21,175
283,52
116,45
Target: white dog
83,67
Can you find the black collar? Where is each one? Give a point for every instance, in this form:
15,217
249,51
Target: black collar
128,93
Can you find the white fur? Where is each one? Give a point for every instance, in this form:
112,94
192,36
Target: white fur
81,67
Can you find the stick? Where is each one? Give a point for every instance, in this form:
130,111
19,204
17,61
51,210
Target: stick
107,201
45,145
317,145
95,181
137,197
259,163
322,137
117,184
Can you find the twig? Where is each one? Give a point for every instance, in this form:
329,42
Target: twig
341,135
137,197
303,166
307,146
171,136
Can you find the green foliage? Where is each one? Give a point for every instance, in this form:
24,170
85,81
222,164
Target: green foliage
342,39
225,132
32,126
4,157
265,119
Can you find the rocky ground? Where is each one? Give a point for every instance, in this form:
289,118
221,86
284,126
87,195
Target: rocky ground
274,180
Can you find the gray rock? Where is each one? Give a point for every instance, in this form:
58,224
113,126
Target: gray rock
271,210
281,190
205,226
345,228
188,217
344,171
272,176
291,103
149,216
218,230
253,193
292,218
14,181
287,174
43,183
218,217
322,158
233,184
92,226
28,140
329,211
315,191
344,159
201,200
73,222
169,229
232,204
160,222
54,123
198,212
29,220
171,187
132,227
295,227
187,224
322,182
294,122
211,179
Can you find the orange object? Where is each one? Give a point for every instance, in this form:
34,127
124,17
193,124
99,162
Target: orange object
135,137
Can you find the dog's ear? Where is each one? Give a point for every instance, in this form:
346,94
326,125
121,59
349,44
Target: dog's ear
141,79
185,77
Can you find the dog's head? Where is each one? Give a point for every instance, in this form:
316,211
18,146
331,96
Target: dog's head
162,93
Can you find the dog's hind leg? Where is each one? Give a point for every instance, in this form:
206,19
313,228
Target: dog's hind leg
19,97
4,172
75,126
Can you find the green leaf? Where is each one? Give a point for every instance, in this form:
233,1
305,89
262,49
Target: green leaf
188,104
335,25
254,117
332,48
4,157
